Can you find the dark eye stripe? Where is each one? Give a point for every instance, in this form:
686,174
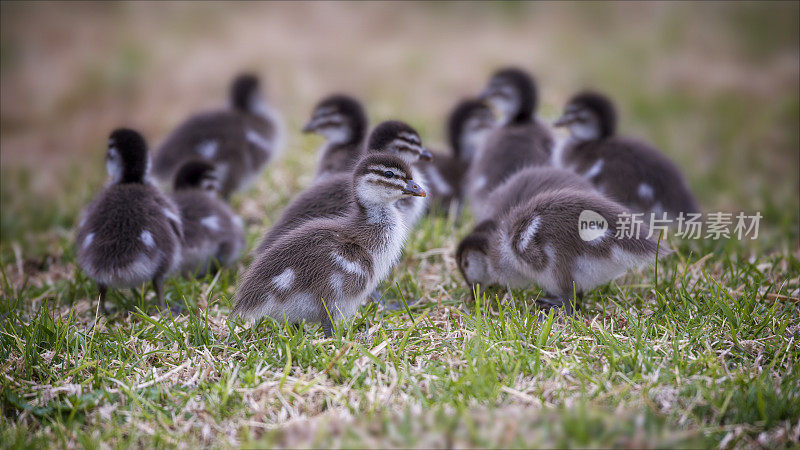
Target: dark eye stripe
387,184
397,173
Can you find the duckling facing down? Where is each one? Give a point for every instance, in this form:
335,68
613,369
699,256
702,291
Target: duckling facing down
213,235
331,196
238,141
543,242
130,233
323,270
467,127
519,142
528,183
629,171
342,121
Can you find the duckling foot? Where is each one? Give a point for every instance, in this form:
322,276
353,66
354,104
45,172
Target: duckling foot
397,306
173,310
560,307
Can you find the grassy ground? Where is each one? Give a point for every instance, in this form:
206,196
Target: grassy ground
702,351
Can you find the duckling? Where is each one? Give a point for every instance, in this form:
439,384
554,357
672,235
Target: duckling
629,171
130,233
213,235
468,125
545,241
238,141
520,140
330,196
323,270
526,184
342,121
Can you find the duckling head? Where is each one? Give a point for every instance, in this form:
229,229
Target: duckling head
382,178
511,93
197,174
127,160
400,139
469,124
472,254
339,118
245,94
589,116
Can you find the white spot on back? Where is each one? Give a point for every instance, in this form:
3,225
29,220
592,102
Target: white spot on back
171,215
210,222
207,149
284,280
645,191
254,138
147,238
480,183
594,170
87,241
528,233
347,265
337,282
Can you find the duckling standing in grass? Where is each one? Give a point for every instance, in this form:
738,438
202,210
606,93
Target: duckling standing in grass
323,270
212,233
547,241
628,171
130,233
330,196
467,128
341,120
238,141
520,141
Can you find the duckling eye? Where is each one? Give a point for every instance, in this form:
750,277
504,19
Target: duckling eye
388,174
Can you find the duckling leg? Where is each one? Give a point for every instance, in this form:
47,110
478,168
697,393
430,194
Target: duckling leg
327,327
103,291
560,305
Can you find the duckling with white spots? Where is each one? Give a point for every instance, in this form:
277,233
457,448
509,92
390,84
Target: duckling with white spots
239,141
213,235
324,269
130,233
629,171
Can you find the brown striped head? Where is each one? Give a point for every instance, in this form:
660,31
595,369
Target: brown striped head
384,178
400,139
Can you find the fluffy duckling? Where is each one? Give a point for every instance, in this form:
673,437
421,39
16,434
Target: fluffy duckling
528,183
544,241
213,235
130,233
467,127
238,141
520,140
330,196
629,171
341,120
323,270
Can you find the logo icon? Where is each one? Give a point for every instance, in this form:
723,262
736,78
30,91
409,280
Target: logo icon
591,225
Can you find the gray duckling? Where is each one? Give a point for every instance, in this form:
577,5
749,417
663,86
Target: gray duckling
213,235
467,128
627,170
520,140
542,242
323,270
330,196
341,120
130,233
239,141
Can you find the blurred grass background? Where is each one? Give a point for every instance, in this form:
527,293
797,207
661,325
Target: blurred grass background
715,86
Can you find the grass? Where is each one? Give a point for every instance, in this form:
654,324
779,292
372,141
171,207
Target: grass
700,352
